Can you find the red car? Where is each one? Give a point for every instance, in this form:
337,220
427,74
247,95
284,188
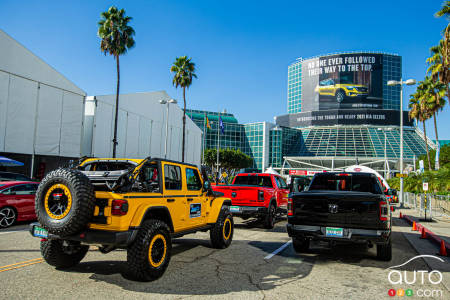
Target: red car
17,201
257,195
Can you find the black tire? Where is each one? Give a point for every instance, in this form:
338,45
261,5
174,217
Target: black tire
221,234
8,216
269,220
145,264
384,251
300,245
65,202
63,254
340,95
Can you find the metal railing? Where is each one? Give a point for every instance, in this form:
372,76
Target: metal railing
436,205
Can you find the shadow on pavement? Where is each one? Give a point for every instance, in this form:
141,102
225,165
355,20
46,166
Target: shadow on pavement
205,271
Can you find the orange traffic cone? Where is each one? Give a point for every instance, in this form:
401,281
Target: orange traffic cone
443,250
414,228
424,233
401,216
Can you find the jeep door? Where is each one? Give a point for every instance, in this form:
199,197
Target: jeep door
175,195
196,202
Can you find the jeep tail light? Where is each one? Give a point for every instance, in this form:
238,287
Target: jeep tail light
384,211
260,195
119,207
290,208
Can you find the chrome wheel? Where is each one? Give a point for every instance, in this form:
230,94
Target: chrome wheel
7,217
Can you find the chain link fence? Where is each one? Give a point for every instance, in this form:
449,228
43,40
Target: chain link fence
435,206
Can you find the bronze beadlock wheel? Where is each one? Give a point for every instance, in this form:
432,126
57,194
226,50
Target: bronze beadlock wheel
157,250
227,228
65,202
58,201
222,232
149,255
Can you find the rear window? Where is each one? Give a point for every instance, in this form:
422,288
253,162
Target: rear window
255,180
355,183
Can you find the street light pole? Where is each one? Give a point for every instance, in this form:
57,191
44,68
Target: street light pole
167,122
401,83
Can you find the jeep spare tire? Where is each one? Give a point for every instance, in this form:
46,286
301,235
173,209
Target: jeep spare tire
65,202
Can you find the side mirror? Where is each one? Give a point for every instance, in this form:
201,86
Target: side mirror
207,186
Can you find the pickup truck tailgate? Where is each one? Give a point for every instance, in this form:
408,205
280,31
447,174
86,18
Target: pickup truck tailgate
241,195
341,209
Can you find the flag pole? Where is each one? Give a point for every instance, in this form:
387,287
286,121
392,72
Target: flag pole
218,148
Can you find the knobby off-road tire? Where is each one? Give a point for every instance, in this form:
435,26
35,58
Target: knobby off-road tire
221,234
384,251
269,220
63,254
65,202
300,245
149,255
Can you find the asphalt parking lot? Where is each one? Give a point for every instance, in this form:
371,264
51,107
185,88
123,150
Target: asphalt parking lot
251,268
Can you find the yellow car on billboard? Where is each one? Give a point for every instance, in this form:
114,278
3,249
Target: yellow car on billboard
340,91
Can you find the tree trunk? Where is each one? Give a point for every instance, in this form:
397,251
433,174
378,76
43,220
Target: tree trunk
426,145
436,167
117,109
184,123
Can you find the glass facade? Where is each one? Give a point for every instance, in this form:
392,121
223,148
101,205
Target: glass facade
255,145
295,87
392,70
367,141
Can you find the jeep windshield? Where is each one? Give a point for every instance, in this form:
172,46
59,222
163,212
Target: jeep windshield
345,182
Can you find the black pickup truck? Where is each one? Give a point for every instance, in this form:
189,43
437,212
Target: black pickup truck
341,207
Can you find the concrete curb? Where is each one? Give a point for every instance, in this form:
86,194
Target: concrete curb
430,234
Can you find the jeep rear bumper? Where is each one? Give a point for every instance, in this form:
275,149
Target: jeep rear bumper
349,234
118,239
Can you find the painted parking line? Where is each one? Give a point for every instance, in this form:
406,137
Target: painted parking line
5,232
21,264
278,250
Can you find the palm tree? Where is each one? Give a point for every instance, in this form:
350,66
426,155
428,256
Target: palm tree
440,59
417,111
183,70
435,100
439,66
117,38
445,10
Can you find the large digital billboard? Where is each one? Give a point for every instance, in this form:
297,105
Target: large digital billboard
384,117
342,81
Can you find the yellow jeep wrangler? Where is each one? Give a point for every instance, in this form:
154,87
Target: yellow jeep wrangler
137,205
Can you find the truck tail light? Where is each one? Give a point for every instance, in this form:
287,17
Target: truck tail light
260,195
384,211
119,207
289,207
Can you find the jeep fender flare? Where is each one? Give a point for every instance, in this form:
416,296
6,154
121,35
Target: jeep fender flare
160,213
216,207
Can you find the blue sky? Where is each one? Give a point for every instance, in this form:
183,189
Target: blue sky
241,48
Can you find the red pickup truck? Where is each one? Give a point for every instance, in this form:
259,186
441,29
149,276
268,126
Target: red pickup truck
257,195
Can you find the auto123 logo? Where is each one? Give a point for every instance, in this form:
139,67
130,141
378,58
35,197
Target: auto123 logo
417,277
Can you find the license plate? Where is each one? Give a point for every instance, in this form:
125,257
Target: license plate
40,232
235,209
334,232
